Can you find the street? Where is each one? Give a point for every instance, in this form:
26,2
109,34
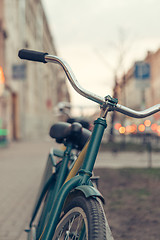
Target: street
21,168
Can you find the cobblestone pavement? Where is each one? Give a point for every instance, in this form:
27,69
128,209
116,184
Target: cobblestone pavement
21,167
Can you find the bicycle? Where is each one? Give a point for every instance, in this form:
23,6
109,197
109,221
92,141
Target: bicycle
68,205
64,109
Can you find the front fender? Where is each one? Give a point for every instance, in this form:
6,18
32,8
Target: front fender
86,190
90,191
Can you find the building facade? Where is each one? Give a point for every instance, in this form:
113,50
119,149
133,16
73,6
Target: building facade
140,93
31,89
152,94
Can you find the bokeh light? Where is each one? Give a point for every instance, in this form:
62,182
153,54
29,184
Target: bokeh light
141,128
122,130
147,123
117,126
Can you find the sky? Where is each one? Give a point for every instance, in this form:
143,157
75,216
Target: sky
91,35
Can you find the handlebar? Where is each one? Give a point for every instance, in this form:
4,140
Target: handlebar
44,57
137,114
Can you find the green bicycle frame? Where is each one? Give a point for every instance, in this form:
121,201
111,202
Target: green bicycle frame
79,182
51,184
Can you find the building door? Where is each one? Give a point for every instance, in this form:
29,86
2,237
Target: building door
15,116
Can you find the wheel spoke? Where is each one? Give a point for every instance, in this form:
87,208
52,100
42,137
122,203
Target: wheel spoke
71,222
80,219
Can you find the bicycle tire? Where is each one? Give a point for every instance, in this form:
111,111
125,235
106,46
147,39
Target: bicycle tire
82,212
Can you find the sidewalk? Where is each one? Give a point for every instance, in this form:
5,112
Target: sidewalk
128,159
21,168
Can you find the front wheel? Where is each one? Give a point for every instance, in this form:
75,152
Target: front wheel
83,219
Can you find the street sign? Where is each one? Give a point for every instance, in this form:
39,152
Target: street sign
142,74
19,71
142,70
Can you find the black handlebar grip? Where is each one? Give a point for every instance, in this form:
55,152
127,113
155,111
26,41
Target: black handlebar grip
32,55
